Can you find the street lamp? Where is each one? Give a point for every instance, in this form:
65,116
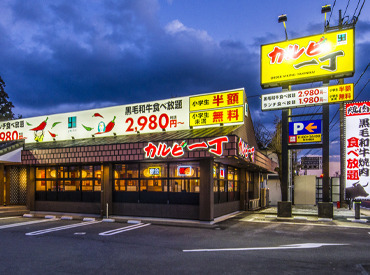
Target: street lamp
325,9
283,18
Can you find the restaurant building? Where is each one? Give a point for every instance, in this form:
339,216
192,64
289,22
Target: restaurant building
192,157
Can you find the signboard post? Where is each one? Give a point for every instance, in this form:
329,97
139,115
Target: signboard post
357,150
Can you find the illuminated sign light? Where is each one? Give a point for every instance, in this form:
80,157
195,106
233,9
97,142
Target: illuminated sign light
185,171
307,97
357,125
308,59
152,171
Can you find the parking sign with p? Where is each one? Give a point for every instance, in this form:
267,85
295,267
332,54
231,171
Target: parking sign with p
305,131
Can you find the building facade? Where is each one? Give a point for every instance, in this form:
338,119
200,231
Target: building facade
206,167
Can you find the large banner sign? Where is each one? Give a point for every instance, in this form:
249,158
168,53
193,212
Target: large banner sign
358,150
149,117
215,109
307,97
307,59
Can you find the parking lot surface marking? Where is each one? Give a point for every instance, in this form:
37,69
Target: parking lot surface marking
123,229
59,228
25,223
289,246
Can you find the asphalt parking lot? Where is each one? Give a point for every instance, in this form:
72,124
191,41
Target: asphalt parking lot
236,245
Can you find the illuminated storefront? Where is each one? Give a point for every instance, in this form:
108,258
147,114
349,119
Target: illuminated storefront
191,157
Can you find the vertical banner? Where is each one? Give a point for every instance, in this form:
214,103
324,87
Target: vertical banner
357,150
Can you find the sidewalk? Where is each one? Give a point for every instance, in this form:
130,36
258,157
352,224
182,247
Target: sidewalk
309,214
302,214
13,210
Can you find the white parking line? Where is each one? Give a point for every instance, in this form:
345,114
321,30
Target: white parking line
24,223
123,229
44,231
289,246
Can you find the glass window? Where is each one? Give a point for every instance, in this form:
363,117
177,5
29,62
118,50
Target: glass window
74,172
72,185
119,185
51,185
184,185
61,185
62,172
40,185
154,185
51,172
97,171
87,185
40,172
126,171
222,186
216,170
175,186
87,171
97,185
132,185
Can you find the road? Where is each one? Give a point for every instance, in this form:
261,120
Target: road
48,246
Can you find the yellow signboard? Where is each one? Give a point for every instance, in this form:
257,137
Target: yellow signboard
217,100
309,138
312,58
339,93
220,116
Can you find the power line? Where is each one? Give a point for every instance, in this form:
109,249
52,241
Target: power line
358,3
346,8
362,89
360,10
332,10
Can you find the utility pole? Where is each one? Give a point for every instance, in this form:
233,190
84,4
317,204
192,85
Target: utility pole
342,136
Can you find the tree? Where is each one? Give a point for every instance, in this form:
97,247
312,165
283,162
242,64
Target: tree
263,135
6,106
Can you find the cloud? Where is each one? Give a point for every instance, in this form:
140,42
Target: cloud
120,55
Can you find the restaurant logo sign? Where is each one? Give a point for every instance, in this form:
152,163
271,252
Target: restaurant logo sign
313,58
162,150
358,150
245,151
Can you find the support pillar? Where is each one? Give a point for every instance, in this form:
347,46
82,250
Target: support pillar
243,188
106,191
31,186
2,184
206,197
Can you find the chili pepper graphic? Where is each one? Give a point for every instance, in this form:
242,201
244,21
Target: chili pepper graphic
87,128
109,127
55,124
52,135
41,126
29,124
97,115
